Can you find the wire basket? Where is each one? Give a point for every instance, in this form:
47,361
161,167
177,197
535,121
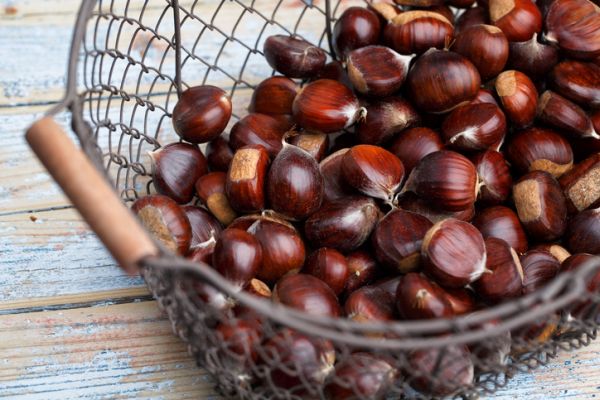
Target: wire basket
129,61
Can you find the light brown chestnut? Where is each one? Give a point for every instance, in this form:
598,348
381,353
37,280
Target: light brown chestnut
531,57
503,279
539,268
386,119
578,81
583,232
412,144
563,114
581,185
518,19
485,46
274,95
362,270
357,27
418,297
293,57
574,26
474,126
258,129
518,97
330,266
494,177
502,222
245,181
211,191
417,31
307,293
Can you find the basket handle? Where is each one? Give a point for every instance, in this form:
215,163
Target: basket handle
91,194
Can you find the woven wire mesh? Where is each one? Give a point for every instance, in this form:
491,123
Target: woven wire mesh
130,72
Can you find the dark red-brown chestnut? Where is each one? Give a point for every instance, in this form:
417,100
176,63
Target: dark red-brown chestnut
417,31
204,225
518,97
494,177
518,19
473,126
578,81
531,57
502,222
386,119
462,300
330,266
258,129
245,181
274,95
555,250
362,270
470,17
219,154
334,185
583,232
418,297
563,114
357,27
539,268
411,202
412,144
370,303
485,46
581,185
503,278
314,143
237,256
239,340
293,57
307,293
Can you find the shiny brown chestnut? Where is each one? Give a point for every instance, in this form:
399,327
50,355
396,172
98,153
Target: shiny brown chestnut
462,300
485,46
453,253
365,375
531,57
418,297
563,114
293,57
343,224
357,27
417,31
362,270
503,279
446,180
390,285
370,303
204,225
573,263
334,70
540,149
397,240
245,181
541,205
314,143
258,129
419,3
413,144
583,232
539,268
282,248
373,171
386,119
575,26
219,154
377,79
334,185
175,169
555,250
294,183
441,80
330,266
203,252
307,293
470,17
494,177
239,340
165,220
274,95
577,81
474,126
502,222
518,97
211,191
201,114
518,19
581,185
327,106
237,256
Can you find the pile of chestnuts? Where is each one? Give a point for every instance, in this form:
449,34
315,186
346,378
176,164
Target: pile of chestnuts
447,160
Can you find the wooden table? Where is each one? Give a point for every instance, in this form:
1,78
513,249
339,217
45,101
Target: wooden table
71,324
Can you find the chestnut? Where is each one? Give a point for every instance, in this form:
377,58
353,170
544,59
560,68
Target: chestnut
397,239
518,97
531,57
334,186
203,252
462,300
219,154
258,129
373,171
471,16
237,256
282,248
330,266
362,270
165,220
577,81
581,185
343,224
485,46
411,202
453,253
211,191
274,95
518,19
326,105
441,80
581,308
583,232
541,205
413,144
563,114
575,26
390,285
258,288
201,114
418,297
204,226
239,340
540,149
293,57
175,169
212,297
484,96
555,250
307,293
474,126
362,375
501,222
440,372
294,183
385,119
377,79
336,71
503,278
294,360
314,143
417,31
357,27
445,179
245,181
494,177
370,303
539,268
